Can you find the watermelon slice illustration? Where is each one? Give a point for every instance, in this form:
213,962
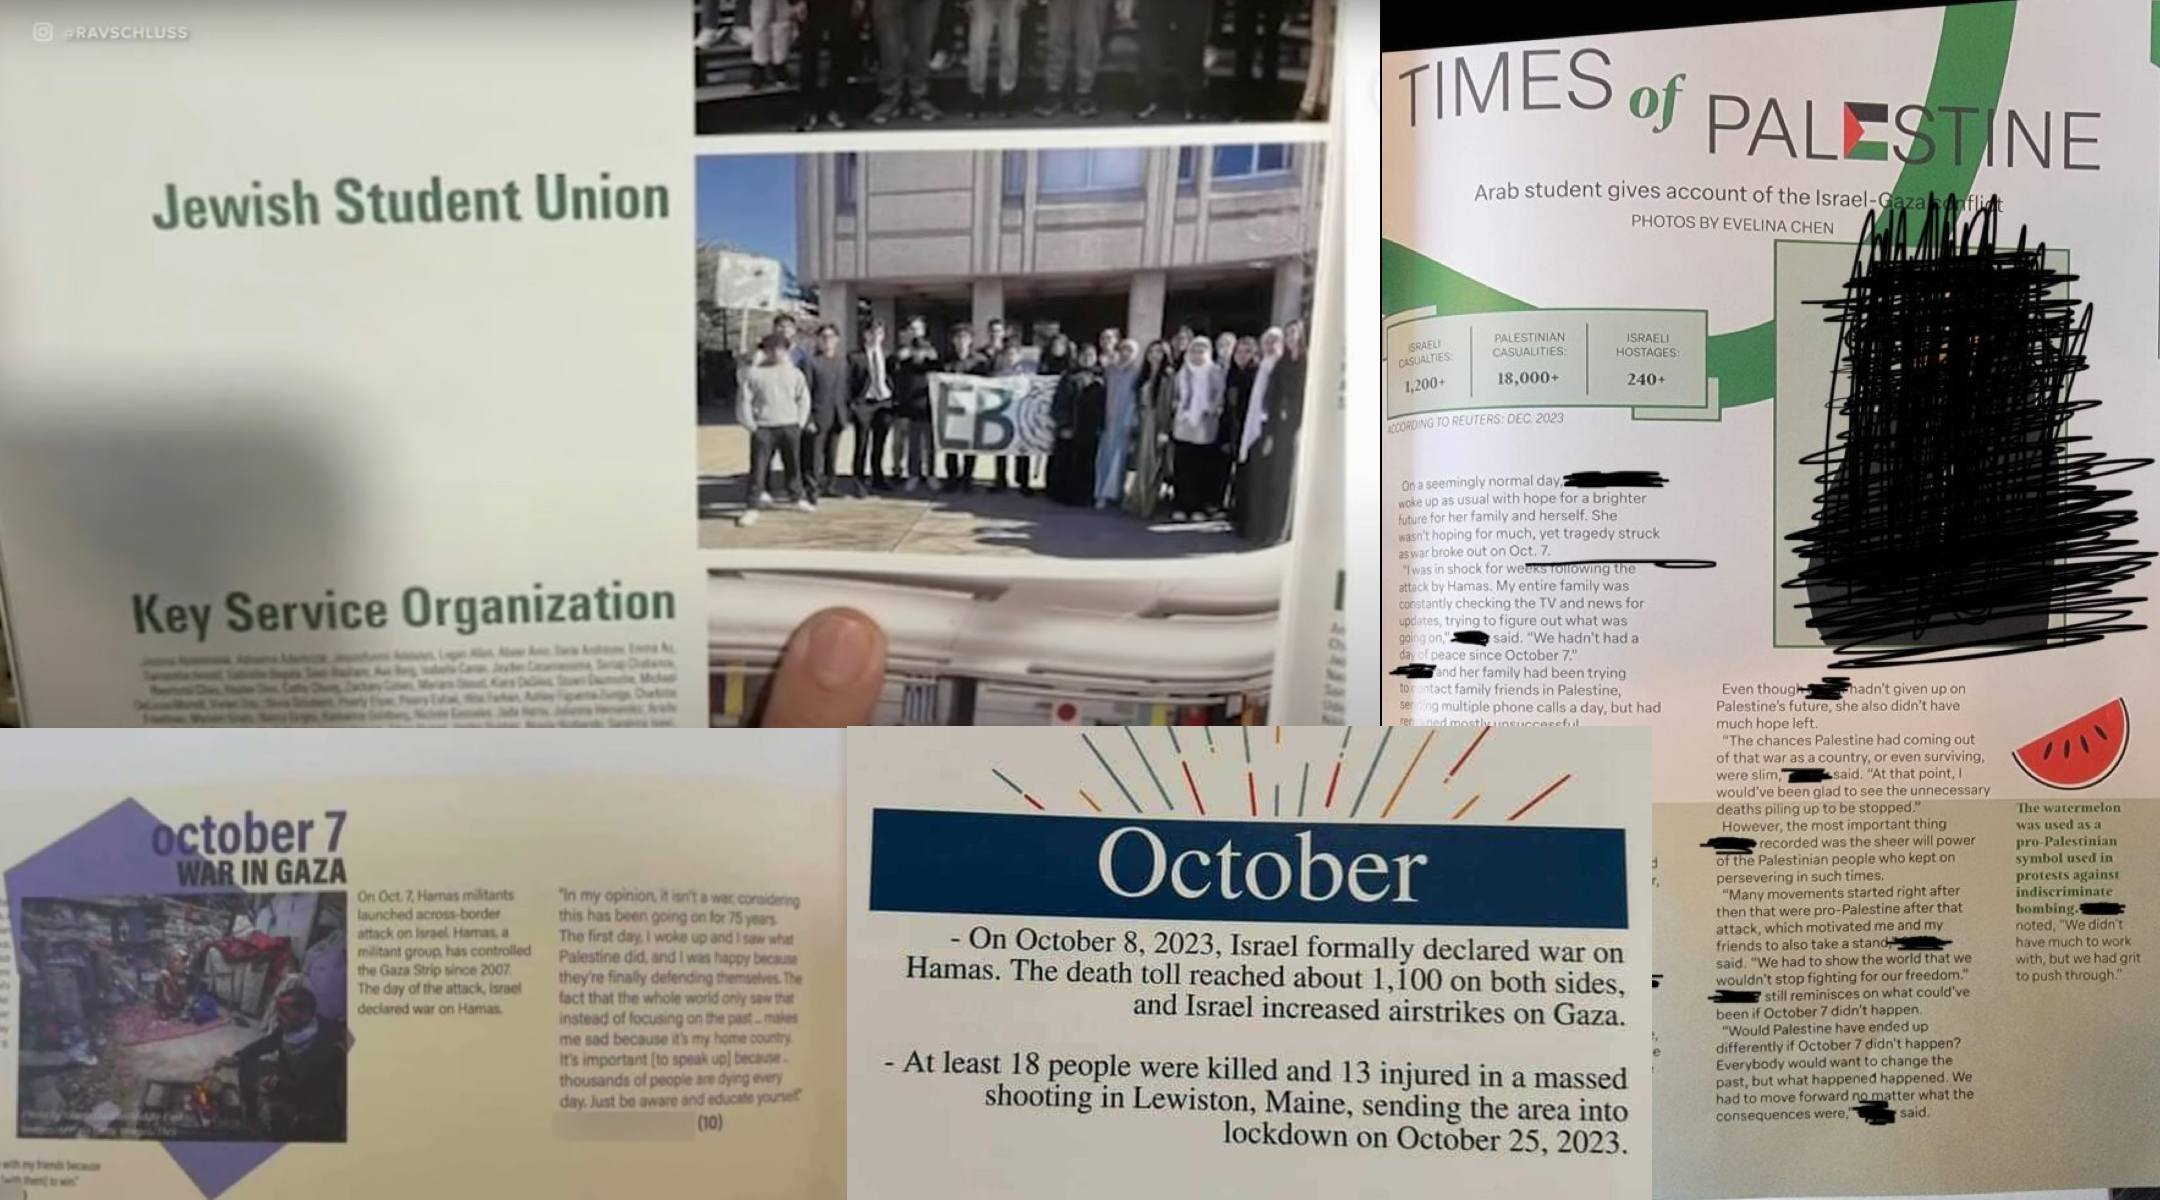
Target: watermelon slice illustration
2080,753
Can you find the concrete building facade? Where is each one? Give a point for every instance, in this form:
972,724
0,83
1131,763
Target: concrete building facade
737,279
1141,238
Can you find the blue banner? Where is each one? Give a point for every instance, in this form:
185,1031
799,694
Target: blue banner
1003,864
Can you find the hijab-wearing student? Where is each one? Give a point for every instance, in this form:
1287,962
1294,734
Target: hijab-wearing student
1121,387
1197,474
1238,382
1151,431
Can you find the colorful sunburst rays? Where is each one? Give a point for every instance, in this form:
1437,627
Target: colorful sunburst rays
1281,771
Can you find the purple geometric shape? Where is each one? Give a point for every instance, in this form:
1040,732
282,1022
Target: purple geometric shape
215,1166
110,855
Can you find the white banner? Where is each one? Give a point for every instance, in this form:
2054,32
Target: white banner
994,414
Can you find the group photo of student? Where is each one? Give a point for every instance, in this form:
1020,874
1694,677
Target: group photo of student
888,363
835,64
1196,429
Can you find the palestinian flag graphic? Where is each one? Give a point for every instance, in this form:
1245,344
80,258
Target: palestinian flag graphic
1857,115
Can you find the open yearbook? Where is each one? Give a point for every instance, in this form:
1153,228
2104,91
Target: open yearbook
443,365
1271,962
1787,388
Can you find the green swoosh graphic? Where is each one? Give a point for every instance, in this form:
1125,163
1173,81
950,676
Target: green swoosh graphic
1970,58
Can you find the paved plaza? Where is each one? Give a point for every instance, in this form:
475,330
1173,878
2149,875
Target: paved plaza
977,523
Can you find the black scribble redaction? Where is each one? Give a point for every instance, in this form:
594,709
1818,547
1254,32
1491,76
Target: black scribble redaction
1807,775
1918,942
1832,687
2100,908
1876,1112
1613,479
1731,845
1414,671
1958,516
1471,637
1735,996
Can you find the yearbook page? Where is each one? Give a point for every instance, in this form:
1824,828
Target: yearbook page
427,365
376,968
1783,387
1263,962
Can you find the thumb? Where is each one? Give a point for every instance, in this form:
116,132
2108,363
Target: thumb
830,674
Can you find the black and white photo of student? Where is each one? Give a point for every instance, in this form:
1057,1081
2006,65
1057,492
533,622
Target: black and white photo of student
905,30
830,45
774,404
870,384
819,64
829,402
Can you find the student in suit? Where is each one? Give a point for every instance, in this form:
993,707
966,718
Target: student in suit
870,392
965,359
829,399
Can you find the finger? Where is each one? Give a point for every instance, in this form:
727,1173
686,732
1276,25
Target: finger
830,673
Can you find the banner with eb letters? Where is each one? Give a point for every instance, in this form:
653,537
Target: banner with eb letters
994,414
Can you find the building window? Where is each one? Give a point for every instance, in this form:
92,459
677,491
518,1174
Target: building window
844,181
1078,172
1015,173
1188,167
1240,163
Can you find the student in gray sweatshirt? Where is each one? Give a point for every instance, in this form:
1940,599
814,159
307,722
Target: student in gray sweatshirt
774,405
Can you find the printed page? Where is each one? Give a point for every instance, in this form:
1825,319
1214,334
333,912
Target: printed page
1318,686
544,983
455,406
1258,962
1779,386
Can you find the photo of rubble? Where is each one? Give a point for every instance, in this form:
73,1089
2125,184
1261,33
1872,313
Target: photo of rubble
214,1017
